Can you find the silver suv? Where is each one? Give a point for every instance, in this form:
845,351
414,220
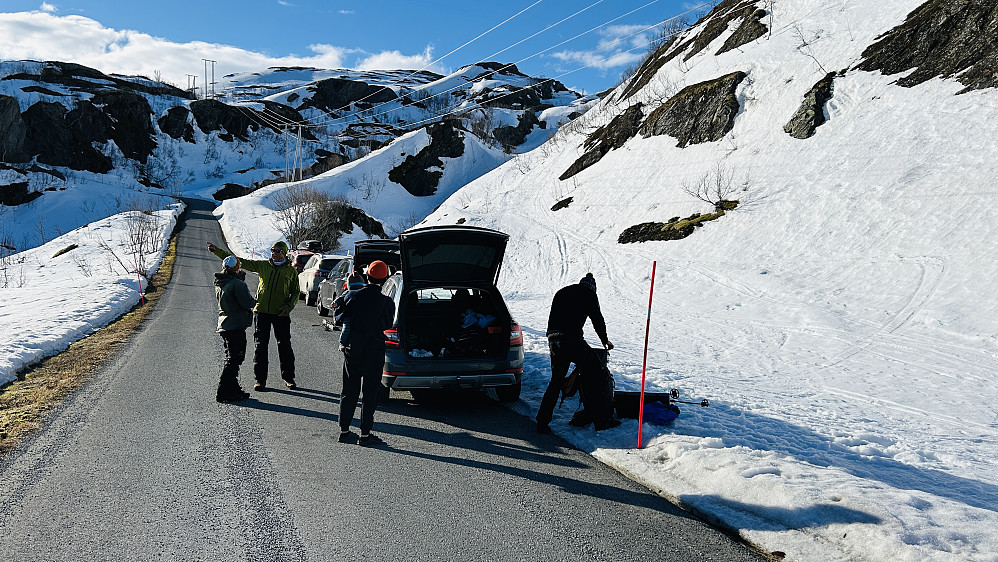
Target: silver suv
452,328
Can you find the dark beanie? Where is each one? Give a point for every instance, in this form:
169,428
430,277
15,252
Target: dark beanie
588,281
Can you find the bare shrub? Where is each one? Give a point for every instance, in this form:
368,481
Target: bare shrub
716,188
303,213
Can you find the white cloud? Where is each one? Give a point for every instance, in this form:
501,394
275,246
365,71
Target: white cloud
388,60
46,7
619,46
41,35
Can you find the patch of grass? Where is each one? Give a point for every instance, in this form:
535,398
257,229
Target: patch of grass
26,403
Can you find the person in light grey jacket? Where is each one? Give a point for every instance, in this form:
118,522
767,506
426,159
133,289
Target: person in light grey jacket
235,314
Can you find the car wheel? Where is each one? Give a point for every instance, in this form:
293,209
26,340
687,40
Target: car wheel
323,311
509,393
310,298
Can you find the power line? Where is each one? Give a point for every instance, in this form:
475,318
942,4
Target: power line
432,62
340,119
478,105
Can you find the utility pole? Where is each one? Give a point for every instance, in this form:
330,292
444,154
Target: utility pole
209,85
192,84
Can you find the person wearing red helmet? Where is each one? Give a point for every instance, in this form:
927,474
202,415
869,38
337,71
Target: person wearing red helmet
368,313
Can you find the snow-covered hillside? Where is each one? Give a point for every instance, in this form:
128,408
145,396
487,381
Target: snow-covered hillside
842,319
69,133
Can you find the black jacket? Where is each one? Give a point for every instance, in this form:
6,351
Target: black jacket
569,310
369,314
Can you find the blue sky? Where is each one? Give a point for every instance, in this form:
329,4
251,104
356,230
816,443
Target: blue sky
171,39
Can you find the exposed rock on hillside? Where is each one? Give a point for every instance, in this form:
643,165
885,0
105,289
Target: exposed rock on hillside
334,94
749,30
12,131
175,123
717,22
130,125
703,112
812,110
675,229
213,115
82,78
608,137
416,173
17,194
60,141
510,137
941,38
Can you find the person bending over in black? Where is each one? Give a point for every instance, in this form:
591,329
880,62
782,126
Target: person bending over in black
571,306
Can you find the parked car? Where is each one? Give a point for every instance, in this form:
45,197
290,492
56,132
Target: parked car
364,252
313,246
299,258
315,270
452,327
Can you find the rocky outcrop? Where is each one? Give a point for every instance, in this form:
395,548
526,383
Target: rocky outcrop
17,194
12,131
699,113
510,137
714,25
231,191
176,123
811,113
749,30
948,38
675,229
335,94
419,174
608,137
83,78
131,125
213,115
58,137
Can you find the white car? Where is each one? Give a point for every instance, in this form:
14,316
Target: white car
316,269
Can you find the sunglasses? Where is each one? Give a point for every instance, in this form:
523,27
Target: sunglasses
276,251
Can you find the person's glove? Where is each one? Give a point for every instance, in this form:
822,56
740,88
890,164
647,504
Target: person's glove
608,345
211,247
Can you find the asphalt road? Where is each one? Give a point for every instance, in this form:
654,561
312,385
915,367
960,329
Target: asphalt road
143,464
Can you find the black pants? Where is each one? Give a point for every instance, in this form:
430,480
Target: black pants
361,370
565,351
262,324
235,352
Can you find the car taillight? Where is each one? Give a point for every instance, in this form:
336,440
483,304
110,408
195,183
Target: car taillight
515,335
392,338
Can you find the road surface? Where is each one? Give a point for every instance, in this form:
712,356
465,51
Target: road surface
143,464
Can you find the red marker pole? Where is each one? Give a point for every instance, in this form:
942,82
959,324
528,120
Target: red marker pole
644,361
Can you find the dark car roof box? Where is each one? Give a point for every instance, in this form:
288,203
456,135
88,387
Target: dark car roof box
452,255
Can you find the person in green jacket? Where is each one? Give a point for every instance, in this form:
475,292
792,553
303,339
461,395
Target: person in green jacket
276,295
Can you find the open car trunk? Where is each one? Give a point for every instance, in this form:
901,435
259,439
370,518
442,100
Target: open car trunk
454,323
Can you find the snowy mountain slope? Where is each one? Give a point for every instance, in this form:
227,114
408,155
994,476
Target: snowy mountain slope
841,317
66,128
